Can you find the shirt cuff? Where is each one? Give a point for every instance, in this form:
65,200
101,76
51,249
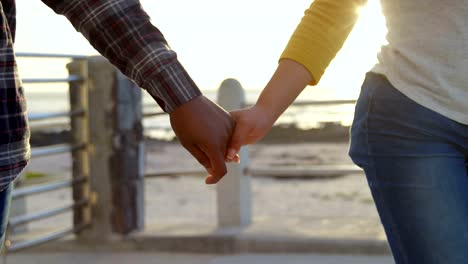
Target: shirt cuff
172,87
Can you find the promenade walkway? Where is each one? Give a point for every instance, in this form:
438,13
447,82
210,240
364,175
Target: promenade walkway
161,258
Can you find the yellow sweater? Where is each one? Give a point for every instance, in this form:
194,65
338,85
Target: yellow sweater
321,34
426,57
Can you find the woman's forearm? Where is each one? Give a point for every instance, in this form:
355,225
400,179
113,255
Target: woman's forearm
317,39
288,81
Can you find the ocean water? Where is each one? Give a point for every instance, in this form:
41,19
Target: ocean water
304,117
46,98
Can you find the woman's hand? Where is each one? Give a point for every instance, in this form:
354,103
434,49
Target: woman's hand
289,79
252,124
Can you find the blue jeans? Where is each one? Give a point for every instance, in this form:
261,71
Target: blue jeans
415,161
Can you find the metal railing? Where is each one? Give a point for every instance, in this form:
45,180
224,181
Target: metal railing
54,150
70,79
50,55
24,192
24,219
312,171
276,172
44,116
247,104
50,237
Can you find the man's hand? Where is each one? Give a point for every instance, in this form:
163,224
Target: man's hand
204,129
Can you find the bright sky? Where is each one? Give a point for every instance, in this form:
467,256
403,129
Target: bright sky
217,39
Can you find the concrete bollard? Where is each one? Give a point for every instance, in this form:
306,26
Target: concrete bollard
234,195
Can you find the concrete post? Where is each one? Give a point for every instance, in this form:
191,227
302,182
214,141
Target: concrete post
127,163
115,152
234,191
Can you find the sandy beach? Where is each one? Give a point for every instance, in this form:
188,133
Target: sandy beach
310,204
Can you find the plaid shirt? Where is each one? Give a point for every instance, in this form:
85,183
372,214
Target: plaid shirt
121,31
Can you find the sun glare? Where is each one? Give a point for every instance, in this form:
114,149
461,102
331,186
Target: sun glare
238,44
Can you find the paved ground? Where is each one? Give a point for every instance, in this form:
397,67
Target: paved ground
147,258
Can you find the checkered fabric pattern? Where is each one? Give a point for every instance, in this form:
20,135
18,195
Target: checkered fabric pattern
122,32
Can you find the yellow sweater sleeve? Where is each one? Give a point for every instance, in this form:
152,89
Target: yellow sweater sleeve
321,34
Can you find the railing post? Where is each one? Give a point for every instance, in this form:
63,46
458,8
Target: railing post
129,156
78,96
115,152
234,190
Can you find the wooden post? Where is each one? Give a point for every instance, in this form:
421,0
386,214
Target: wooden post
78,96
234,190
115,152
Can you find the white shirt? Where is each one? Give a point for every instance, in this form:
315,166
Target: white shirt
427,53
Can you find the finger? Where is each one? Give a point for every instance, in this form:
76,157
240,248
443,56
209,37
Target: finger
200,156
235,114
217,164
241,132
236,159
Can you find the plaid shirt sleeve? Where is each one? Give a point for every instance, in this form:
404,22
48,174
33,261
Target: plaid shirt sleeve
121,31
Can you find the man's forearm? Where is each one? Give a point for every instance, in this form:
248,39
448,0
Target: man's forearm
121,31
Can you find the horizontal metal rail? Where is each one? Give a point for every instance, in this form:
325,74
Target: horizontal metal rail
156,127
54,150
328,102
43,126
298,103
43,116
24,219
26,191
317,102
71,78
50,55
50,237
154,114
150,106
171,173
311,171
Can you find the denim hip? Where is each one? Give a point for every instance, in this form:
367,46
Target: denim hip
415,161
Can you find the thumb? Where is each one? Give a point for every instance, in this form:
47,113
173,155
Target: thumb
235,115
241,131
